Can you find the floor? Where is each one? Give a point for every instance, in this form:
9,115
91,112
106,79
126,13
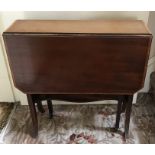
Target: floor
82,124
5,110
143,115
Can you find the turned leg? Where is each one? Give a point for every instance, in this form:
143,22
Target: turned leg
127,114
40,106
119,106
50,108
33,115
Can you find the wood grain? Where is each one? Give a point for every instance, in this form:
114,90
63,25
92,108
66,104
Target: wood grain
79,26
79,60
112,64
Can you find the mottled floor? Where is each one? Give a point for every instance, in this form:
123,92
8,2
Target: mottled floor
143,116
83,124
5,110
79,124
71,124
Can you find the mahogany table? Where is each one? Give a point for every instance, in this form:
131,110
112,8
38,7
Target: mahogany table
78,60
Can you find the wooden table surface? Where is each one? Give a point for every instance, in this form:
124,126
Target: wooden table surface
79,26
73,57
81,60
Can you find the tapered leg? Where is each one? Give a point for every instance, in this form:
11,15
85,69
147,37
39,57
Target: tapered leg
123,108
119,106
124,104
33,115
40,106
50,108
127,114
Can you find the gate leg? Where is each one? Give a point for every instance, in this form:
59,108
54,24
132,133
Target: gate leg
33,115
128,114
50,108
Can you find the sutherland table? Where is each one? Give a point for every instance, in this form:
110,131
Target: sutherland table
78,61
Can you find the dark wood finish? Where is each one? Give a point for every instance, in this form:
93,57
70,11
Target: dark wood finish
77,97
40,107
123,107
118,115
82,64
33,115
127,114
50,108
123,100
78,61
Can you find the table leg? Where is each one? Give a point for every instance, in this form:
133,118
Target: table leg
127,114
119,106
40,107
50,108
33,115
123,108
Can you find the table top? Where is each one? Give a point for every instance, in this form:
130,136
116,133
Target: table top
79,26
113,61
